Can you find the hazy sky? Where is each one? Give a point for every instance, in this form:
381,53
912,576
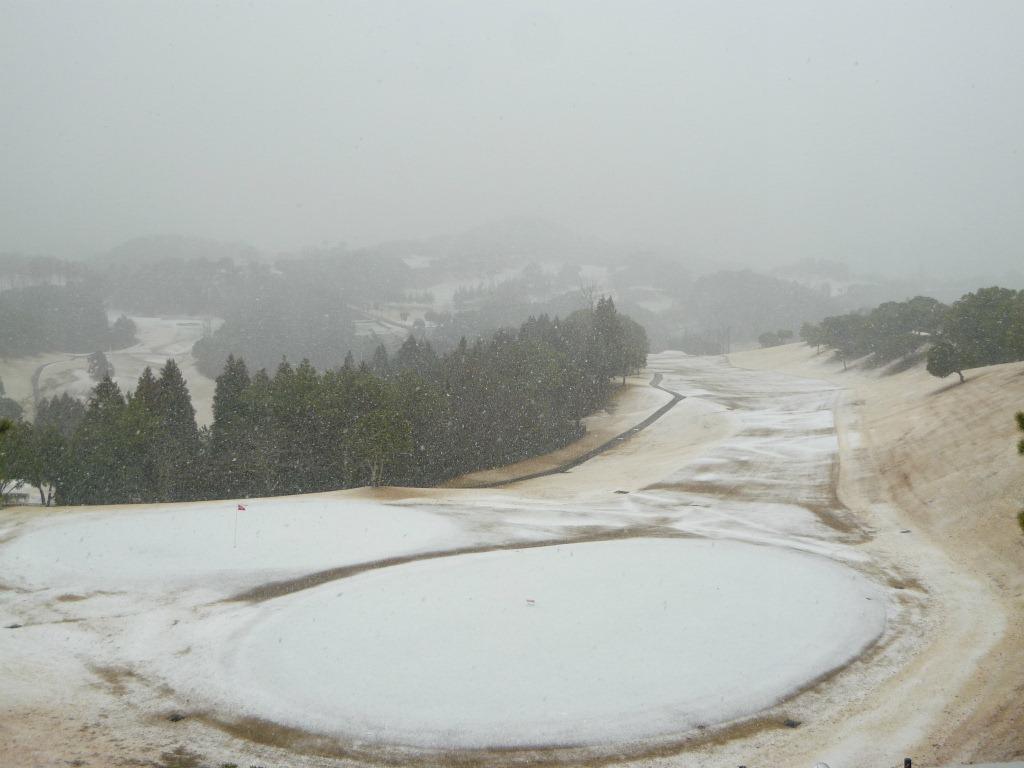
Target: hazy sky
887,133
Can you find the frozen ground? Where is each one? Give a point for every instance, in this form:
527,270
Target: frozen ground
676,599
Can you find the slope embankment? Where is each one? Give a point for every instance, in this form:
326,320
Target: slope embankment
930,465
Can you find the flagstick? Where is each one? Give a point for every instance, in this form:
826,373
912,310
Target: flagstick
235,544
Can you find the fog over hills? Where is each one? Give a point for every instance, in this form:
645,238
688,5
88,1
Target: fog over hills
503,246
885,136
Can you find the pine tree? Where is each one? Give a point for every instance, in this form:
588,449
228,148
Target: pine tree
99,367
610,341
177,437
63,414
417,419
102,460
415,355
231,442
380,364
122,333
381,436
229,406
264,469
147,390
143,424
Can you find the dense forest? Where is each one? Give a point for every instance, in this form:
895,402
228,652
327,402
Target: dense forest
296,321
19,270
321,303
411,418
302,306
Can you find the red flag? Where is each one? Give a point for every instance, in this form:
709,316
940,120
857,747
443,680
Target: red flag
241,507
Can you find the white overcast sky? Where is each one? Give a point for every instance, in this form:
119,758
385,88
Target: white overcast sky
886,134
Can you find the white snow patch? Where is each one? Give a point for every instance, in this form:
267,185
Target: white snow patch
582,643
156,549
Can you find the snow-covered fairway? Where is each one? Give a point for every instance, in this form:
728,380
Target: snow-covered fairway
698,576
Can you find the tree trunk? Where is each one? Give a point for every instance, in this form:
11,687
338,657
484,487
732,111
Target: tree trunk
961,375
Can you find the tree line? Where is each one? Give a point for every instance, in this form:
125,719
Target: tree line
57,318
985,327
409,418
19,270
1020,449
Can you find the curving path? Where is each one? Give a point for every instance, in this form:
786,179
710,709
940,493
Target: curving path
614,442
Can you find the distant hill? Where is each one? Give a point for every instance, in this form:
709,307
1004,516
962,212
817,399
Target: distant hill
155,248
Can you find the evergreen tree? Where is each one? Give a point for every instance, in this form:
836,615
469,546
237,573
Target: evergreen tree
430,430
102,455
63,413
229,407
415,355
381,436
380,364
610,341
416,419
122,333
298,427
636,346
264,468
177,447
231,439
147,390
142,420
99,367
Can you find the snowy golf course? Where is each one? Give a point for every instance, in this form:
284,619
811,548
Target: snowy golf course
580,643
700,577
